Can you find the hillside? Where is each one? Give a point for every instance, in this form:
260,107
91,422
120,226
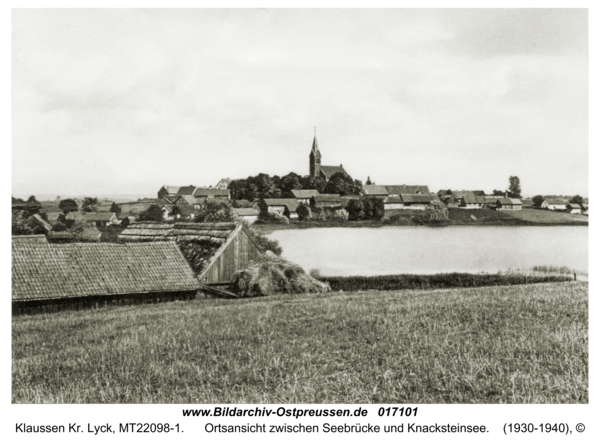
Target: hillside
519,344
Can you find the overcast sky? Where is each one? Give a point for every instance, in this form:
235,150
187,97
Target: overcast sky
124,101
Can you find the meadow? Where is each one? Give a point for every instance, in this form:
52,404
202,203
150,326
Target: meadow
513,344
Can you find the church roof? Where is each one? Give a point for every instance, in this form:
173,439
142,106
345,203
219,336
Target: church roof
315,147
331,170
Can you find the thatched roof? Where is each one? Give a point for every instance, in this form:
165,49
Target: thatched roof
304,194
374,190
199,242
407,189
47,271
32,239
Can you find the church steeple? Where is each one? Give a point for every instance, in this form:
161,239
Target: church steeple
315,158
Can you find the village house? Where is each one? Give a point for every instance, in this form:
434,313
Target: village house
574,208
584,209
168,191
417,201
37,221
470,200
213,193
393,203
51,277
374,191
101,219
326,201
555,204
215,251
283,207
397,190
303,196
223,184
507,203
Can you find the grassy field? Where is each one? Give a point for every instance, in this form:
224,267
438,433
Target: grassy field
518,344
543,217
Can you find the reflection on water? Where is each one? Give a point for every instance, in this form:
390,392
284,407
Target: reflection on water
395,250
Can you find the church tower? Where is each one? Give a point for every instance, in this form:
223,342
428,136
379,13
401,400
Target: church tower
315,159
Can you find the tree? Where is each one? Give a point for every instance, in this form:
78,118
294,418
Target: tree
498,193
289,182
537,200
355,210
214,211
514,188
90,204
68,206
152,213
436,212
374,208
577,199
114,208
303,212
340,183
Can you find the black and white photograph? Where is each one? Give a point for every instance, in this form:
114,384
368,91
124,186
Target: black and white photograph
268,206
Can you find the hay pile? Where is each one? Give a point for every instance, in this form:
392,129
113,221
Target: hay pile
271,275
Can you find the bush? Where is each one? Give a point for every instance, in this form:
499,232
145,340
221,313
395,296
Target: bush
59,227
272,218
340,215
271,275
355,210
416,281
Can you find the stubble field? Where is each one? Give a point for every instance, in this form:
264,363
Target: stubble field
517,344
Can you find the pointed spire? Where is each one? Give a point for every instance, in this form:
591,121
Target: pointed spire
315,146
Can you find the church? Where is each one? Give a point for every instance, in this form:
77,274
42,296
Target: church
318,170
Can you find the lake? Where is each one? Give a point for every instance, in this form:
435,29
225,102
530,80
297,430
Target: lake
427,250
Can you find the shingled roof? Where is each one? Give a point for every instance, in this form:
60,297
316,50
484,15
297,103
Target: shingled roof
291,204
375,190
304,194
47,271
407,189
203,192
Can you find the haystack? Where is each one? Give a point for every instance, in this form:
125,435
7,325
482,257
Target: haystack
271,275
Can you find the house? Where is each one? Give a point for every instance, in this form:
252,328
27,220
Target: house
48,277
184,212
470,200
555,204
101,219
168,191
214,193
584,209
490,201
248,214
223,184
37,221
326,201
574,208
303,196
393,203
215,251
417,201
284,207
374,190
507,203
315,167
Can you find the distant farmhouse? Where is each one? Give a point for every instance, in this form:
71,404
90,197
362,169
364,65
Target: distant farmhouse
318,170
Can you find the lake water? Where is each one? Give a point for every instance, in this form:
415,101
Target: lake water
425,250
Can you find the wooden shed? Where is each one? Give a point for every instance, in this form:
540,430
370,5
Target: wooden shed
49,277
215,251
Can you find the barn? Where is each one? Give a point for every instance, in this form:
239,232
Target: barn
215,251
285,207
555,204
52,277
507,203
